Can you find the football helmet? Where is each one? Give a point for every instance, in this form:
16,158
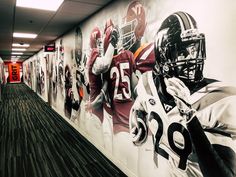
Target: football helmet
95,39
180,48
134,25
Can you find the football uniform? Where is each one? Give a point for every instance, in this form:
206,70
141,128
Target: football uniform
95,83
119,89
144,58
214,102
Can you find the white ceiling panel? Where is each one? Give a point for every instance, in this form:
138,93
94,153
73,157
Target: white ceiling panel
48,25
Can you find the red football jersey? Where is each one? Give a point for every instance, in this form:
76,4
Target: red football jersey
119,88
95,82
144,58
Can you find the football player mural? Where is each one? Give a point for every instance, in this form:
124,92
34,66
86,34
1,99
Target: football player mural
38,83
79,82
116,80
191,117
60,67
69,102
68,92
42,80
132,31
2,77
137,86
95,83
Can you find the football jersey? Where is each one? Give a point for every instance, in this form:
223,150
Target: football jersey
95,82
144,58
119,89
215,104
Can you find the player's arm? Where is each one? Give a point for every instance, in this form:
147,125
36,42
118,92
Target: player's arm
137,119
214,160
97,102
134,82
102,64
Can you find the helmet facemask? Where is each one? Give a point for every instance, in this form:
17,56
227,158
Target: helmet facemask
128,34
180,52
186,60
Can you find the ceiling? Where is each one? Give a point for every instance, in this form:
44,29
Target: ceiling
49,25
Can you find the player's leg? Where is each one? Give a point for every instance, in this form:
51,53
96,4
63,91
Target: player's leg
107,131
125,151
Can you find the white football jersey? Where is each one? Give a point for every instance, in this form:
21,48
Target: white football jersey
215,104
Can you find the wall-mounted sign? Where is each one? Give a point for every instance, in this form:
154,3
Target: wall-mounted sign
49,48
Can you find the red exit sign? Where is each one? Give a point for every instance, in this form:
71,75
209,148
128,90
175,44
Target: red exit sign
49,48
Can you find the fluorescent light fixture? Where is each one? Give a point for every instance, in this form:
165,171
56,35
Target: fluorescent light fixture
25,35
20,45
18,49
51,5
15,57
17,53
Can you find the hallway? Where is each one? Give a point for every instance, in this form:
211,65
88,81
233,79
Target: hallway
35,141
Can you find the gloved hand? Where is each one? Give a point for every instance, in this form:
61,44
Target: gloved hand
181,94
114,37
138,126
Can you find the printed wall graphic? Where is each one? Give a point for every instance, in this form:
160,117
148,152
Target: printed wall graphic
49,70
38,78
73,86
60,67
68,92
2,72
14,72
54,74
151,84
42,80
2,77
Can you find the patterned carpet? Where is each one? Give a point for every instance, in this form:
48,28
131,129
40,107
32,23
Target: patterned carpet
35,141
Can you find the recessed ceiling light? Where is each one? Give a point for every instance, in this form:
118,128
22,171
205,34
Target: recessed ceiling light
18,49
17,53
14,59
20,45
25,35
51,5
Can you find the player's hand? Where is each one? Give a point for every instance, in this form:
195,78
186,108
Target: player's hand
176,88
138,126
114,37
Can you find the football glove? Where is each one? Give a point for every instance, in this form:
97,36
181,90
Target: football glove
138,126
176,88
114,37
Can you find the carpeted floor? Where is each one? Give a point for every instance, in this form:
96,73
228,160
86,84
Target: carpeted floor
37,142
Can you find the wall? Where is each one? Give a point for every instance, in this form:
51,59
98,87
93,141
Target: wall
2,77
61,78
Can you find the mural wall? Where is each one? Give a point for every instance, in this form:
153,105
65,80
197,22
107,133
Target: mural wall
150,83
34,74
2,77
